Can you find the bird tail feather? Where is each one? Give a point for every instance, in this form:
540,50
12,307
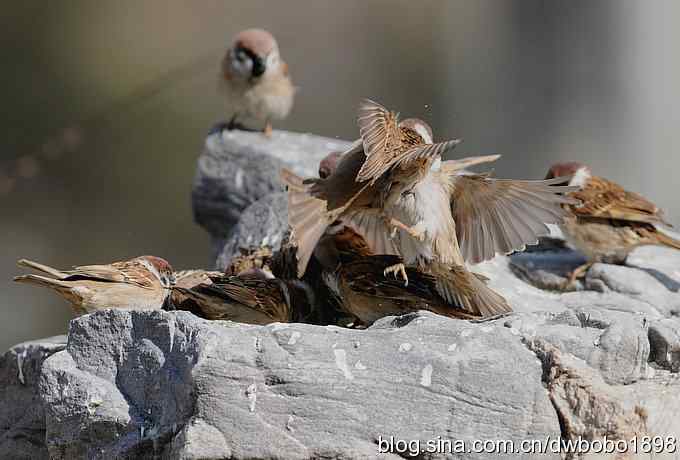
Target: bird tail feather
307,217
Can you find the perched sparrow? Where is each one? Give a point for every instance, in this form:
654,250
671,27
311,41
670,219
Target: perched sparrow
610,221
363,291
255,80
254,297
142,283
393,188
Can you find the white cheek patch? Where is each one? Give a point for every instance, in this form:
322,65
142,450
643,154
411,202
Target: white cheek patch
580,177
422,132
272,61
437,165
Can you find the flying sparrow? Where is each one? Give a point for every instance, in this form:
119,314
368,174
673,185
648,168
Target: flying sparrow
253,297
142,283
393,188
610,221
255,80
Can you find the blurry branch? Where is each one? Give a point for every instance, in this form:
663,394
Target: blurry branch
70,138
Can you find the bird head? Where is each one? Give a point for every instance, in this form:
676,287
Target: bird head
577,172
161,268
328,164
253,55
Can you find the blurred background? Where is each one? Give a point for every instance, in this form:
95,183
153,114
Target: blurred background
106,105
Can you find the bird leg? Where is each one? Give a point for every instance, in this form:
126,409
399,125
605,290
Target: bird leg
578,272
232,123
415,231
395,269
268,129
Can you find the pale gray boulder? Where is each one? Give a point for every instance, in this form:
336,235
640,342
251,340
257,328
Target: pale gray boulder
263,223
237,168
22,416
145,384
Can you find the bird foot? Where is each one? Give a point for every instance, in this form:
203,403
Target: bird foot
268,130
578,272
417,231
397,269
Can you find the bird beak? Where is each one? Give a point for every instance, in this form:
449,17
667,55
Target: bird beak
259,67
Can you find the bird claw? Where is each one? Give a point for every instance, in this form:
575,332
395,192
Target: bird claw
397,269
268,130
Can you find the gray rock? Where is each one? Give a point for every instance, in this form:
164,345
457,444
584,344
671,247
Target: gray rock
238,168
664,337
263,223
144,384
22,419
661,262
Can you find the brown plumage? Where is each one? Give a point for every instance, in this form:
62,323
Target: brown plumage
363,290
610,221
187,279
253,297
250,259
142,283
393,189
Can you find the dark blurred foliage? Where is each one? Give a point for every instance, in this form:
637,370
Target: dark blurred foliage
106,104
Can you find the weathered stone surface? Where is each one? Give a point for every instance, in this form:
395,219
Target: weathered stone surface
238,168
166,383
263,223
22,419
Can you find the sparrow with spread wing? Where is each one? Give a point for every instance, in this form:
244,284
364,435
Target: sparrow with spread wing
142,283
255,80
609,221
404,200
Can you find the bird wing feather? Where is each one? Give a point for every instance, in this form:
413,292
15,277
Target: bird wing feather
501,216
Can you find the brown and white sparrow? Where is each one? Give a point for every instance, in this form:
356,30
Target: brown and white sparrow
253,297
394,189
255,80
142,283
610,221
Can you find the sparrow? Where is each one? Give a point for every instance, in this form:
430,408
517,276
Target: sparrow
142,283
609,221
344,197
362,290
253,297
255,80
393,188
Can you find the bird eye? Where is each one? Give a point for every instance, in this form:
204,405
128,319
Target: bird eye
241,55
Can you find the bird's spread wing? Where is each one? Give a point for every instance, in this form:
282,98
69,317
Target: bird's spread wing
370,224
501,216
602,198
386,145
